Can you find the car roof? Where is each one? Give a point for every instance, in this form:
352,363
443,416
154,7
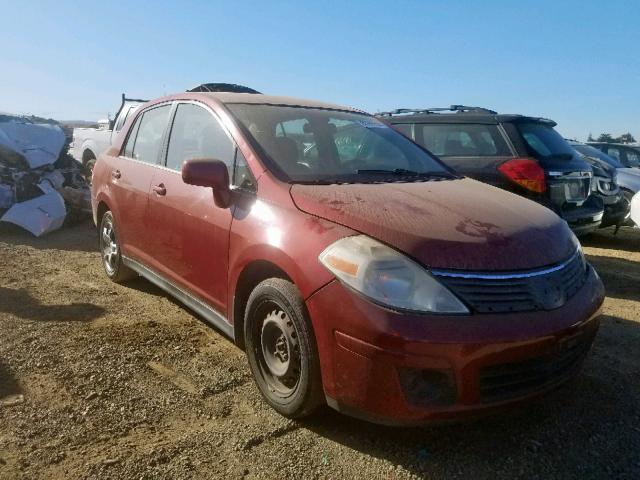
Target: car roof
628,145
260,99
465,117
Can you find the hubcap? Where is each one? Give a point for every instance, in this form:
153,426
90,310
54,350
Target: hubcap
280,352
109,247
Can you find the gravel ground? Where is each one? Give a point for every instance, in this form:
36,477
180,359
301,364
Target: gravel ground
99,380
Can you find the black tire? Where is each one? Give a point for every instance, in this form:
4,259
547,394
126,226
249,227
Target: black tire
276,316
110,252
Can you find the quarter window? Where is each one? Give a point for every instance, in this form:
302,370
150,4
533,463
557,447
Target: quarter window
128,148
196,133
149,137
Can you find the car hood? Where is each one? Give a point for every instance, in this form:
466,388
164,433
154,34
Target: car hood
447,224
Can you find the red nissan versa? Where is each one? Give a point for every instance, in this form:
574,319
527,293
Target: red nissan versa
354,267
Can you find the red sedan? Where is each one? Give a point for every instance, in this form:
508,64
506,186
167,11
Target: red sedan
353,267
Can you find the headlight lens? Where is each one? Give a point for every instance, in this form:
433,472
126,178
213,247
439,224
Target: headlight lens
388,277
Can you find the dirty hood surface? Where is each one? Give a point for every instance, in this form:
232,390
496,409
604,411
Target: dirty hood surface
451,224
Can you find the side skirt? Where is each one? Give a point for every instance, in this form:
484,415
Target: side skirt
202,309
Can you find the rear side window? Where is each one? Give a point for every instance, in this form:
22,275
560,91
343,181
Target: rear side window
149,136
196,133
543,141
462,140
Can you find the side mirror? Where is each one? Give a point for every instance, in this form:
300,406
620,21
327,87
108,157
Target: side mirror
209,172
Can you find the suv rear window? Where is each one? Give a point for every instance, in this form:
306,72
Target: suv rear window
462,140
543,141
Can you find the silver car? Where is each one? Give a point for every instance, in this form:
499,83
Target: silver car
627,178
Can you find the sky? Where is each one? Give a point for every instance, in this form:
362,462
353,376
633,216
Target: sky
574,61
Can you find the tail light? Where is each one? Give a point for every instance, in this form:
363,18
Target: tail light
526,173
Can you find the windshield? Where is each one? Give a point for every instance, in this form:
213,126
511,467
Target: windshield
543,141
313,145
590,151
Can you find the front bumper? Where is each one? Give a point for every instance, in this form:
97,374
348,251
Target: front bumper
616,211
397,368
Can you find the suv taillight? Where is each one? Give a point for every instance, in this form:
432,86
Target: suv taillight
526,173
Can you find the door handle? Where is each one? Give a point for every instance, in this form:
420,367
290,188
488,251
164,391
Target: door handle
160,189
116,174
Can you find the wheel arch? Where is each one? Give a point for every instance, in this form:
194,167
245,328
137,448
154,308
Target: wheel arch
251,275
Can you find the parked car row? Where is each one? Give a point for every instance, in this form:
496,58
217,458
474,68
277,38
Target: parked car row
355,267
522,154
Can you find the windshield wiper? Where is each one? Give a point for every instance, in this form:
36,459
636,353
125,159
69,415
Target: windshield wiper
401,172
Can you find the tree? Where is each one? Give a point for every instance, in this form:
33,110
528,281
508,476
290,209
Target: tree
590,138
605,138
625,138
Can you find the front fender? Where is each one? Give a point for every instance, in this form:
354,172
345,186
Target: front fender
285,237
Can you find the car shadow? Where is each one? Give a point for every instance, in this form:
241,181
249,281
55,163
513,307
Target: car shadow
627,239
620,276
80,237
579,429
22,304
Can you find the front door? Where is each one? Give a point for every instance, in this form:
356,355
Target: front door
190,235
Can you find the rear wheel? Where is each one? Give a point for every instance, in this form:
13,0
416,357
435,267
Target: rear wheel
110,251
281,348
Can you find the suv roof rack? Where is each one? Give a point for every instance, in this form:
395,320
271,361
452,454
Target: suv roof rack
452,108
222,87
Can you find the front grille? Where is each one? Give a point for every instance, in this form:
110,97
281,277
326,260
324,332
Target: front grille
512,380
543,289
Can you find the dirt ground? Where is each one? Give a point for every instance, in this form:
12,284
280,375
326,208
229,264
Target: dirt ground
99,380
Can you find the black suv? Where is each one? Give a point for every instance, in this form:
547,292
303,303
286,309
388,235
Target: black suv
628,155
518,153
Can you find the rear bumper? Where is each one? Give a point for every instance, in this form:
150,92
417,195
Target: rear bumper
408,369
585,218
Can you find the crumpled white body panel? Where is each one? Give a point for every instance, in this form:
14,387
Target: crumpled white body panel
40,144
635,209
39,215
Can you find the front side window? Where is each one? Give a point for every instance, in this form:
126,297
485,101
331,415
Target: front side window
196,133
315,145
462,140
149,137
543,141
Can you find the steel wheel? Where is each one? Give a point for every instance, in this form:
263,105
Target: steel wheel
281,348
279,357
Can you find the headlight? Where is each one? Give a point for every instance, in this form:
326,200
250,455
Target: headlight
388,277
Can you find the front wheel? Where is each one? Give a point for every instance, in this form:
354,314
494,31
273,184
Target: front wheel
281,348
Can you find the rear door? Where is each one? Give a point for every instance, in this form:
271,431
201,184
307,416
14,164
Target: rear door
131,177
189,237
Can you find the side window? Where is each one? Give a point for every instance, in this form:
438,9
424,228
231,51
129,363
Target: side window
242,176
149,137
128,148
405,129
613,152
122,118
464,140
633,158
196,133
